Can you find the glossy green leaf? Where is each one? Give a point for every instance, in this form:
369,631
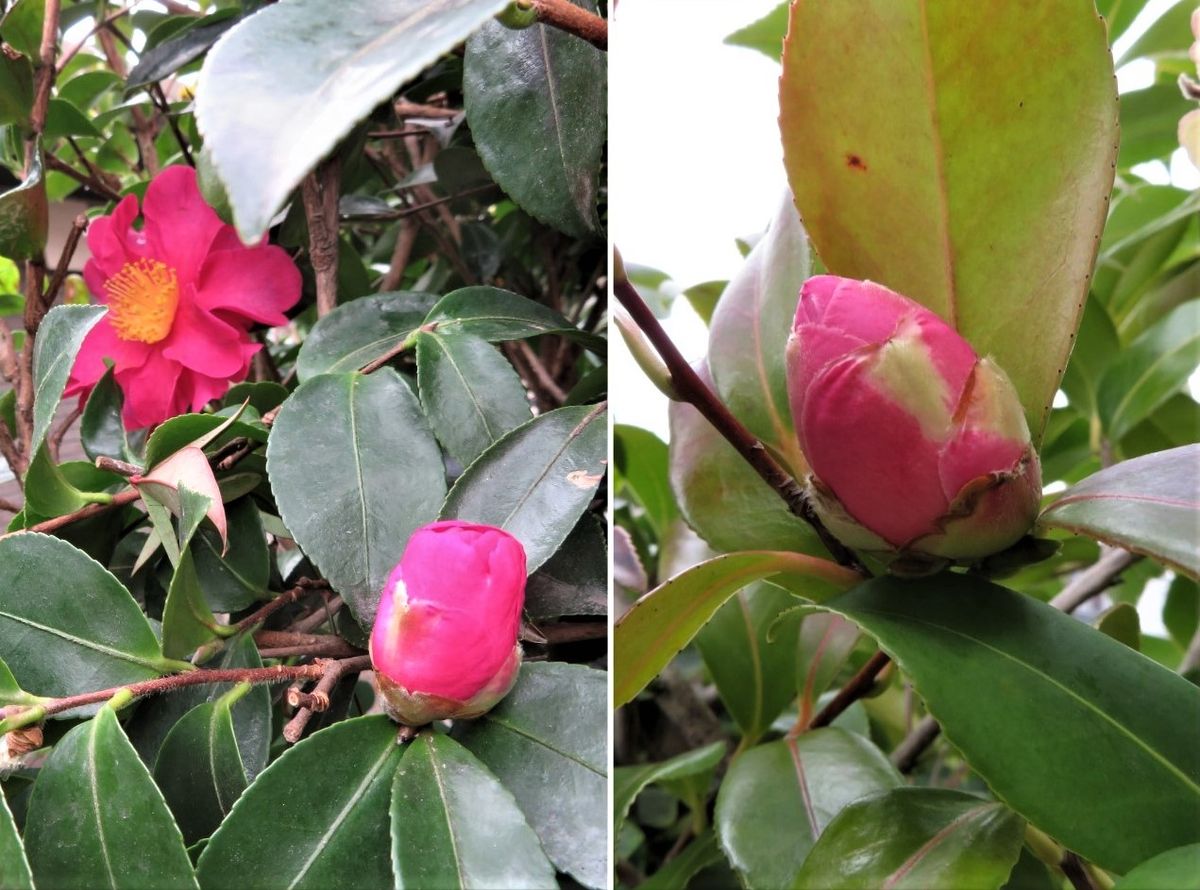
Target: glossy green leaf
455,826
750,330
1120,622
765,35
356,333
954,635
59,338
1169,32
66,625
574,581
546,742
702,852
535,100
238,578
1177,869
48,492
22,26
381,477
11,692
1149,505
25,217
749,648
495,314
1096,344
334,788
165,58
628,781
1147,373
262,395
721,496
919,838
470,393
96,818
875,139
199,768
641,462
536,482
101,430
64,120
14,866
251,713
666,619
188,622
283,86
823,645
777,798
210,430
16,90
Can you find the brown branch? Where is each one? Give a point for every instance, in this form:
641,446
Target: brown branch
54,440
319,616
98,186
159,98
539,372
103,23
286,598
691,389
415,109
399,134
10,506
11,454
53,525
282,644
320,193
401,254
78,227
143,127
278,674
332,673
858,686
566,16
909,751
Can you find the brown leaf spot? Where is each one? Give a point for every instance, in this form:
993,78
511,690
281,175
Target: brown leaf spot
583,479
853,160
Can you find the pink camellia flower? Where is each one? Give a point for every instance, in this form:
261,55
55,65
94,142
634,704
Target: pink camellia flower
182,293
445,641
917,445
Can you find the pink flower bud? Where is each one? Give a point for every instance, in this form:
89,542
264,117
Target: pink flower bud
445,637
916,444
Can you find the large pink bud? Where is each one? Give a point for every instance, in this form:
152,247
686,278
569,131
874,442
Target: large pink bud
916,444
445,638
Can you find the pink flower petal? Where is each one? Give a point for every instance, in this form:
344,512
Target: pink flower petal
150,390
186,467
103,343
254,283
180,226
202,342
108,240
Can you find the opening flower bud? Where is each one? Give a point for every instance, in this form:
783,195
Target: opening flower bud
445,641
917,445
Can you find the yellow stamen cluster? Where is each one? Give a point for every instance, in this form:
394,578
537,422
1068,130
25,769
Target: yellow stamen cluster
142,299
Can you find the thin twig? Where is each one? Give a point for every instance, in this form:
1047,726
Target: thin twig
534,363
566,16
909,751
333,673
855,689
103,23
96,185
10,506
401,254
691,389
52,525
1094,580
322,614
319,190
78,227
286,598
159,98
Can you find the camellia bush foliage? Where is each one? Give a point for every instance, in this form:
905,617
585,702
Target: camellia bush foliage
345,303
884,582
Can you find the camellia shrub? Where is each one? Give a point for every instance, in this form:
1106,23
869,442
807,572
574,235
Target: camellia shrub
885,582
304,580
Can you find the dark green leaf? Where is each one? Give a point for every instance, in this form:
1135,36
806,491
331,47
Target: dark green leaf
765,35
14,867
381,477
455,826
495,314
66,625
536,482
929,838
750,330
628,781
1154,366
263,395
251,713
661,623
333,787
824,644
63,120
16,90
1176,869
48,492
238,578
96,818
574,581
11,692
721,496
1096,344
1149,505
535,100
777,798
59,338
188,622
752,656
100,429
875,139
641,461
1181,613
471,395
547,743
169,56
22,26
329,65
1121,622
355,333
954,635
178,432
